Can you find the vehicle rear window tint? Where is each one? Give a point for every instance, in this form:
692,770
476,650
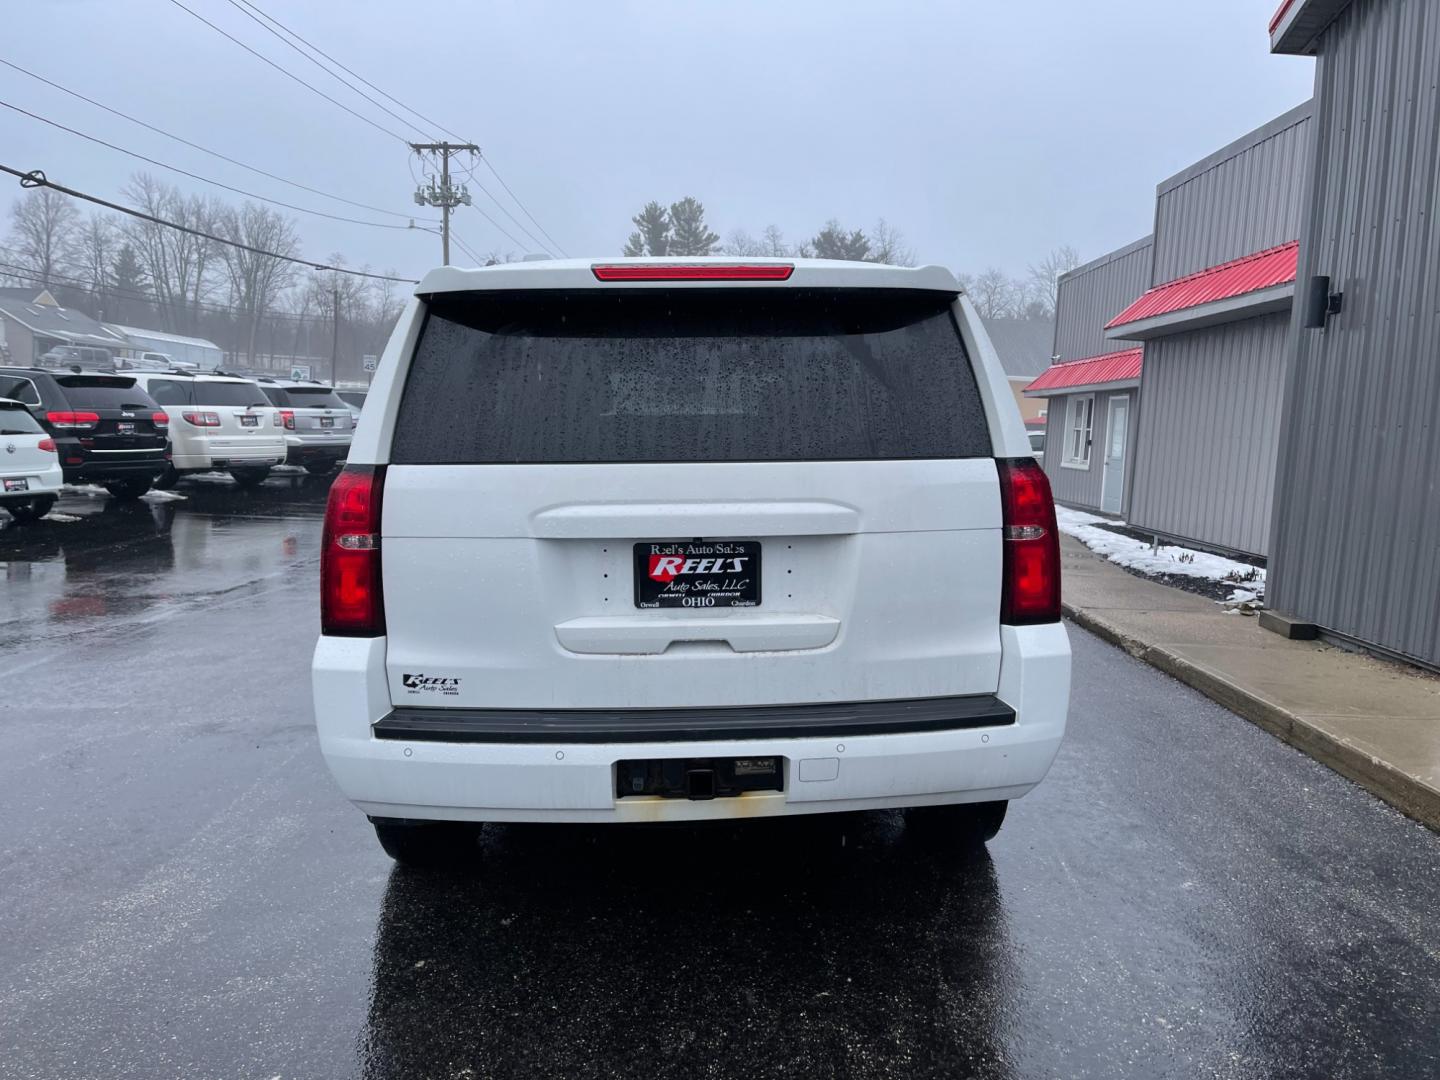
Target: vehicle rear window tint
15,421
314,397
170,391
689,375
104,392
275,394
19,390
239,394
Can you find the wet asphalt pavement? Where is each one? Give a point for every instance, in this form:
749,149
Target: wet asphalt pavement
183,892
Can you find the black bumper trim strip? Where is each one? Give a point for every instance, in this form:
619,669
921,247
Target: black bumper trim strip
823,719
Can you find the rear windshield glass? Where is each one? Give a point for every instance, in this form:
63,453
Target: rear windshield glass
15,421
228,393
314,397
696,375
104,392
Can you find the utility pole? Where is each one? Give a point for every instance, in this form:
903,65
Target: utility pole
444,196
335,336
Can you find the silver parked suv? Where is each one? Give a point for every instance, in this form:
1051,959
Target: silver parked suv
318,425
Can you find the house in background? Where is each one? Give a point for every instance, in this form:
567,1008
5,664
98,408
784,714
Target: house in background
1091,390
1355,549
1216,331
1024,347
32,323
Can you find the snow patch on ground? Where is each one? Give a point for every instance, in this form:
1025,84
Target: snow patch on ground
211,477
1166,559
84,489
63,519
157,495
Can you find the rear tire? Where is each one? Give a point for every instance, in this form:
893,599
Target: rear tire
964,825
427,845
128,489
249,478
31,509
319,468
167,479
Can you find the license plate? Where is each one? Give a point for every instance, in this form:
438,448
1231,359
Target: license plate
249,421
697,574
327,421
125,427
17,485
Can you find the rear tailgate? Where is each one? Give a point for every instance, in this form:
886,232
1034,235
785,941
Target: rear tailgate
740,497
126,425
319,413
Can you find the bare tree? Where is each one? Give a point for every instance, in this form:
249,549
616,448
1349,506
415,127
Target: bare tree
93,254
888,246
1045,276
180,265
256,281
43,226
741,243
774,241
994,294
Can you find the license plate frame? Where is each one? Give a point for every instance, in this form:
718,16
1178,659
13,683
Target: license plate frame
688,584
250,421
125,427
327,421
15,484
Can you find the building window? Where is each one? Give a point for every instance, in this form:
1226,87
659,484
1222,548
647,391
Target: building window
1079,418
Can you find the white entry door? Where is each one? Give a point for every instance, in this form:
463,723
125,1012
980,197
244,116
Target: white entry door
1117,430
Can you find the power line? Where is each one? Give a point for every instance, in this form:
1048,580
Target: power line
312,46
520,204
197,176
37,178
427,120
322,67
197,146
518,223
287,73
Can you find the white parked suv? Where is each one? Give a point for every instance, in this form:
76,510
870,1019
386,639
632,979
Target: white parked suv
30,473
654,541
217,422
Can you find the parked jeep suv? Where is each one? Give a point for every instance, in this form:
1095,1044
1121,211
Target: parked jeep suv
647,541
318,425
107,429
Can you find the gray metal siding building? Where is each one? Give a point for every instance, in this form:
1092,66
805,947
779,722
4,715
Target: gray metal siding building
1356,541
1088,296
1213,372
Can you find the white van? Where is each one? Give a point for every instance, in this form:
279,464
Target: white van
217,422
655,541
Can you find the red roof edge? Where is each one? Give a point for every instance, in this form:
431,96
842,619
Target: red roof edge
1249,273
1091,371
1280,13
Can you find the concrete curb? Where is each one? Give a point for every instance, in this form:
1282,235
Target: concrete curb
1404,792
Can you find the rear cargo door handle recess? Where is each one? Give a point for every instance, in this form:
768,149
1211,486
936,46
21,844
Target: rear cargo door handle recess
640,634
646,521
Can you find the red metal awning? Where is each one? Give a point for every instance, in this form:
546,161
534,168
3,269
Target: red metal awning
1119,367
1262,270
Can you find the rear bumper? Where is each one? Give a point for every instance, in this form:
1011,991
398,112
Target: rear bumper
224,458
150,464
398,770
299,451
40,482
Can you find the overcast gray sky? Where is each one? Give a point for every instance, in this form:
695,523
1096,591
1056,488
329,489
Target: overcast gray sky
987,132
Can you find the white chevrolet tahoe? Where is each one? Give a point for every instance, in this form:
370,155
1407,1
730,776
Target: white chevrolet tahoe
648,540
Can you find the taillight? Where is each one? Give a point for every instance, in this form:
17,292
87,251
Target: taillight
73,421
202,419
288,419
47,445
351,604
693,272
1031,590
160,419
